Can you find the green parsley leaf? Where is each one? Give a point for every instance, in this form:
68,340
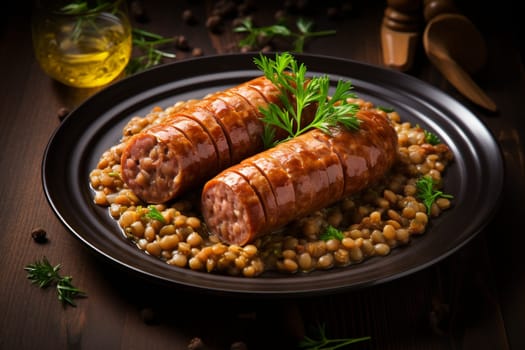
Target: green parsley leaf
431,138
332,233
154,214
427,192
298,92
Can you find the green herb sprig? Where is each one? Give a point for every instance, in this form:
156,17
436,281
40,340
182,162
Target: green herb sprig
43,274
331,233
325,343
427,192
256,37
155,214
297,92
431,138
149,44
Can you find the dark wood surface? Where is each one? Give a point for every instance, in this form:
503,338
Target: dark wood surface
474,299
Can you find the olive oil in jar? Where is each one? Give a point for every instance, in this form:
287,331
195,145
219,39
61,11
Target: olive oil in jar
87,50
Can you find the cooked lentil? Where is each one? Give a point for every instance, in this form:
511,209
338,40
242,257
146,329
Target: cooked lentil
373,222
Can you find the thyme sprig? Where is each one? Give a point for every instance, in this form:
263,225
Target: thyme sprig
325,343
297,92
427,192
43,274
256,37
149,44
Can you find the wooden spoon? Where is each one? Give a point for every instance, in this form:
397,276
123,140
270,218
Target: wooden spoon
454,45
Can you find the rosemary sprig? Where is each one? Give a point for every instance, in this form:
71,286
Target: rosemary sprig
299,92
148,43
256,37
325,343
427,192
43,274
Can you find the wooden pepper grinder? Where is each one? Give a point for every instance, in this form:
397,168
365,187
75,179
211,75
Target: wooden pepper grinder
400,32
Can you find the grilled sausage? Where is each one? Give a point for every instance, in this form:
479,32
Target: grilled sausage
163,161
305,174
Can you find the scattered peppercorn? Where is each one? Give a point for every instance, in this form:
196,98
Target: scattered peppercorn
181,43
39,235
62,113
213,23
188,17
197,344
196,52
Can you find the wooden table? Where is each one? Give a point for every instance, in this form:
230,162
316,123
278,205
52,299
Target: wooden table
474,299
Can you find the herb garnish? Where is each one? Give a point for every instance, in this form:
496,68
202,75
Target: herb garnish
44,274
324,343
297,93
427,193
431,138
257,36
386,109
154,214
331,233
149,44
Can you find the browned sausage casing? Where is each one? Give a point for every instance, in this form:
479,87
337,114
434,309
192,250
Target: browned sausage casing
312,171
197,141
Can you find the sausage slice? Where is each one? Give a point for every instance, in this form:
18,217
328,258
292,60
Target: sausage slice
365,155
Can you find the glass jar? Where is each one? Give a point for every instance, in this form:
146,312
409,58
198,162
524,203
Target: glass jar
82,43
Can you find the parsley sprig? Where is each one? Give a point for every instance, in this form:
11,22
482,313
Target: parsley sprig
325,343
297,92
431,138
154,214
43,274
427,192
331,233
256,37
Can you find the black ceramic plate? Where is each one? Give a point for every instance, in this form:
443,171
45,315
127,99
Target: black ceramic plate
93,127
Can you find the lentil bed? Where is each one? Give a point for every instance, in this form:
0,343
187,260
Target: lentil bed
373,222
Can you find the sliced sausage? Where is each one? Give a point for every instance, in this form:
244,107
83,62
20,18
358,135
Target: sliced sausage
151,158
263,188
364,156
235,197
227,118
210,124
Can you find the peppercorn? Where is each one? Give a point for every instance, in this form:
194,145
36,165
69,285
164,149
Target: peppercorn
39,235
188,17
213,23
182,43
62,113
196,344
196,52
